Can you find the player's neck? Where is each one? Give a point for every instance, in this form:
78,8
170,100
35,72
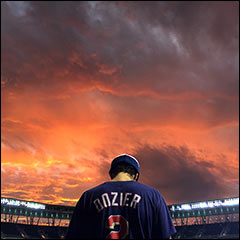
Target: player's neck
123,177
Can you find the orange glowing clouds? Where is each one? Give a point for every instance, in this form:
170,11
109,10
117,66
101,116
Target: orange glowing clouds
83,82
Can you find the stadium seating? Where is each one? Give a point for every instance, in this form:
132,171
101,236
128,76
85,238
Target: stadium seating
227,230
213,229
9,230
188,231
21,231
233,228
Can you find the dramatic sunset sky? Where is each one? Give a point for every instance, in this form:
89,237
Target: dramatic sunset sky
83,82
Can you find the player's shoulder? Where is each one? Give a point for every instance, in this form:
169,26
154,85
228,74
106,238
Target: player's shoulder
153,194
96,188
148,189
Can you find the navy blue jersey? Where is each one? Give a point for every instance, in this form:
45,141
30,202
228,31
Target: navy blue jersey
121,209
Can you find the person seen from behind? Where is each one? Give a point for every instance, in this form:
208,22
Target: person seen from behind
121,208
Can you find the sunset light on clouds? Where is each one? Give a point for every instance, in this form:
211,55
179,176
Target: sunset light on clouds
83,82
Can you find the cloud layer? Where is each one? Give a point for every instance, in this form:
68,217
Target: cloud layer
85,81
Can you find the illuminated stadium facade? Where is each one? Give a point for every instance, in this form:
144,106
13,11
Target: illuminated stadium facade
212,211
18,211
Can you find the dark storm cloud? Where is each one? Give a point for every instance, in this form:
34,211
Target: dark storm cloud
167,47
179,175
193,46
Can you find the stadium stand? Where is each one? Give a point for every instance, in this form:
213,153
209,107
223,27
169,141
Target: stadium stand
215,219
24,231
203,231
208,231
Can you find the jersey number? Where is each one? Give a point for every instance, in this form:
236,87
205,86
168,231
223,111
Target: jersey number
117,220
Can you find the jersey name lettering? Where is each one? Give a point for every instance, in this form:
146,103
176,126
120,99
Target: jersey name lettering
116,199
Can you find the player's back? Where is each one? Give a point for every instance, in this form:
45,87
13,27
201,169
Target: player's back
119,209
